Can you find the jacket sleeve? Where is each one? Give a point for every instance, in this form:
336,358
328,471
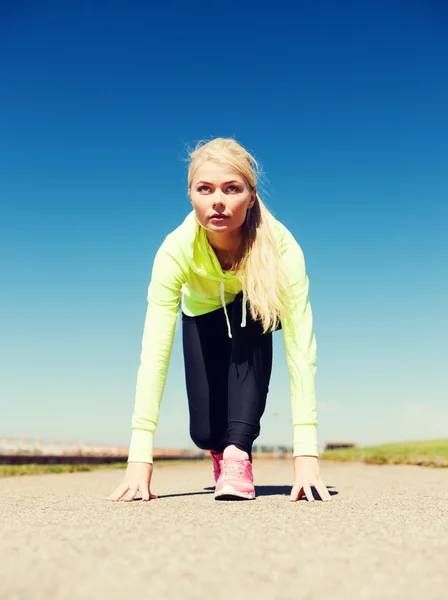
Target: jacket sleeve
160,323
300,349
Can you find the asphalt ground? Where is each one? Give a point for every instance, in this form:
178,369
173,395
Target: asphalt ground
383,535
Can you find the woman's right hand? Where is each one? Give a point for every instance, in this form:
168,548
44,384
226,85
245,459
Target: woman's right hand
137,478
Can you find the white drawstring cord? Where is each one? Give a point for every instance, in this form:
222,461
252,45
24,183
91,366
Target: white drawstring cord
223,302
243,321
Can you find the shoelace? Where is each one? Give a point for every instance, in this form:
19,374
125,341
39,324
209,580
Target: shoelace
233,467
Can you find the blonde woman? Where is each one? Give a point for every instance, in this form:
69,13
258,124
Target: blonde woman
240,276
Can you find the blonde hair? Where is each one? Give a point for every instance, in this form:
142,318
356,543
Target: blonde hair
258,262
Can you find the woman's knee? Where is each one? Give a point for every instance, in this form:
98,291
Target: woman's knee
202,439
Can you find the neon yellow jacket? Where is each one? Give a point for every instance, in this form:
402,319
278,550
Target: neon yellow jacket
186,267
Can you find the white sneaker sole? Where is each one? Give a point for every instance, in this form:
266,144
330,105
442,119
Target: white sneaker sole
227,492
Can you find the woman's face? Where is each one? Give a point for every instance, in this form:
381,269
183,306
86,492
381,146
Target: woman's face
221,197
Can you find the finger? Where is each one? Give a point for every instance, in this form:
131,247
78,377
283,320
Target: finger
296,493
323,492
308,492
118,493
148,497
146,494
131,494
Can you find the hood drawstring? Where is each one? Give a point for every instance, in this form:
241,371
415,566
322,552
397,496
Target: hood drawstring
243,320
223,302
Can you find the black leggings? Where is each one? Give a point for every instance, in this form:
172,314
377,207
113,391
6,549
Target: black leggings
227,379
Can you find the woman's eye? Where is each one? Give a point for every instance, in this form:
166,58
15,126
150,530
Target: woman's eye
234,189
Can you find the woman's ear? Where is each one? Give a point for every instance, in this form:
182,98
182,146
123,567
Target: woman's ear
252,199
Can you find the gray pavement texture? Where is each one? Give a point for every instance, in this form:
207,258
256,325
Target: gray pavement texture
383,535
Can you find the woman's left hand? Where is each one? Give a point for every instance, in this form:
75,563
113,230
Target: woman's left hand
306,474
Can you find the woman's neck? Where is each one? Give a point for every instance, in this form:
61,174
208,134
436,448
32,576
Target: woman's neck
226,249
226,244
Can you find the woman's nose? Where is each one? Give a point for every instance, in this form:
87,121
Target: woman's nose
218,200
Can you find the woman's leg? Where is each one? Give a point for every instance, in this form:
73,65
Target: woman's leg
227,379
249,375
207,350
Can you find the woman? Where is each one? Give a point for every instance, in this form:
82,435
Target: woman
241,276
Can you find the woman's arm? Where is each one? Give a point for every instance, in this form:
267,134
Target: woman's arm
164,291
300,349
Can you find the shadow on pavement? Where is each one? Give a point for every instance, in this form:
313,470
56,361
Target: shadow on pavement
187,494
260,490
283,490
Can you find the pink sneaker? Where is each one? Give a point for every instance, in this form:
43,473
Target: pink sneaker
216,459
236,480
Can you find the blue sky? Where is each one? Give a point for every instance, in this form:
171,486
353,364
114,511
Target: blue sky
343,103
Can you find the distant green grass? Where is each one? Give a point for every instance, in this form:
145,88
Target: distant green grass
17,470
432,453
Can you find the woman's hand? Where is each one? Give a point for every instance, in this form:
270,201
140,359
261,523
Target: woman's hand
137,478
306,474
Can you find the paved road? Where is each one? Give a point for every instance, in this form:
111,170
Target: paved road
384,535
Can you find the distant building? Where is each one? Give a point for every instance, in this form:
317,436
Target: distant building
338,445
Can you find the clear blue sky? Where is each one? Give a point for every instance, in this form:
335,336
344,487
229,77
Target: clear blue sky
345,105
